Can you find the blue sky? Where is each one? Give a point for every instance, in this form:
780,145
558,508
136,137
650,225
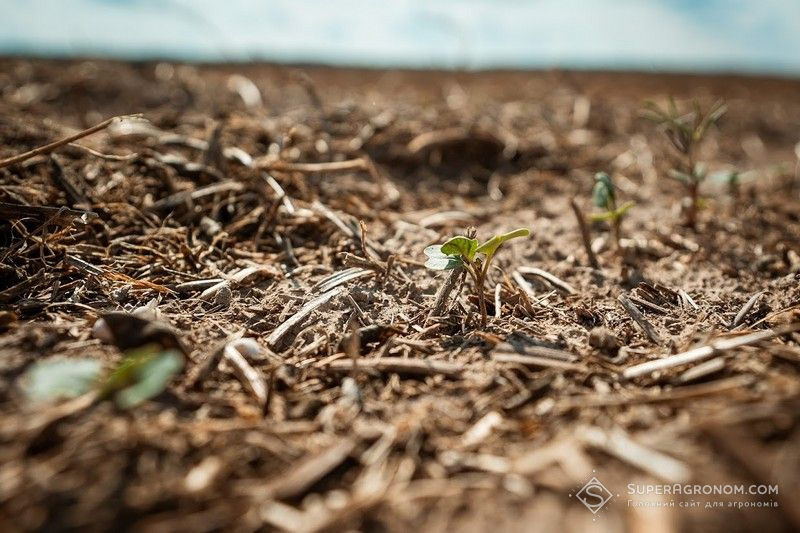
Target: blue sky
732,35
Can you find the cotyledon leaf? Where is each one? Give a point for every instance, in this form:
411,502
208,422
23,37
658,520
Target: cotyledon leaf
624,208
491,246
143,374
440,261
460,246
151,378
603,193
61,378
613,215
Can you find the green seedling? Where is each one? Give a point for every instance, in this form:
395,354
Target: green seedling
475,259
605,197
143,374
685,132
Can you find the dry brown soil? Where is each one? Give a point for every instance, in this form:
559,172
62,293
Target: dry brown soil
441,425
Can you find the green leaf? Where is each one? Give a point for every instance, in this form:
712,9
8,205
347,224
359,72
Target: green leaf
490,247
443,263
603,217
613,214
603,193
61,378
151,379
460,246
125,373
144,373
624,208
440,261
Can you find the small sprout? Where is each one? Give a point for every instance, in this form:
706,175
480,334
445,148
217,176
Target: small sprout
438,260
605,197
685,132
143,374
465,252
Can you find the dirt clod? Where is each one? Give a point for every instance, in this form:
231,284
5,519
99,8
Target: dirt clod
604,340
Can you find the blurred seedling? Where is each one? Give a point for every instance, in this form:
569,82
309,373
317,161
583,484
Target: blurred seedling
685,132
605,197
143,374
465,252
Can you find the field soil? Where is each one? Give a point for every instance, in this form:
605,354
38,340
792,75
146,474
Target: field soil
291,206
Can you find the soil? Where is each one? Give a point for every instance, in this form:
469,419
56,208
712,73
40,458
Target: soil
379,416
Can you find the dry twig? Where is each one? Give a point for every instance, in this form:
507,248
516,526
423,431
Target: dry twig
704,352
586,237
639,318
47,148
548,277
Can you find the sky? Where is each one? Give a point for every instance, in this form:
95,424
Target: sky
753,36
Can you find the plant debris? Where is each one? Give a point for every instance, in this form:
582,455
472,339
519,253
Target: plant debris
218,317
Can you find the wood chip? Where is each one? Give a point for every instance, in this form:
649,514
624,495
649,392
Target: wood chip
704,352
445,218
174,200
701,371
688,392
531,361
746,308
530,349
481,430
197,285
686,299
340,278
277,336
303,476
639,319
251,378
619,444
558,283
400,365
202,476
648,304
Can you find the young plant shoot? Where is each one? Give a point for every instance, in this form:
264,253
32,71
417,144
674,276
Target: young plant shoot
473,258
144,373
605,197
685,132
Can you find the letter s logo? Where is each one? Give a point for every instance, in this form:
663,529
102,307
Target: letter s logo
589,494
594,495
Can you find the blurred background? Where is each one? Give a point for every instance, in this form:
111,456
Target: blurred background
742,36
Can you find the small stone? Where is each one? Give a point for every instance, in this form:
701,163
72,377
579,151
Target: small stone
100,330
604,340
224,296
